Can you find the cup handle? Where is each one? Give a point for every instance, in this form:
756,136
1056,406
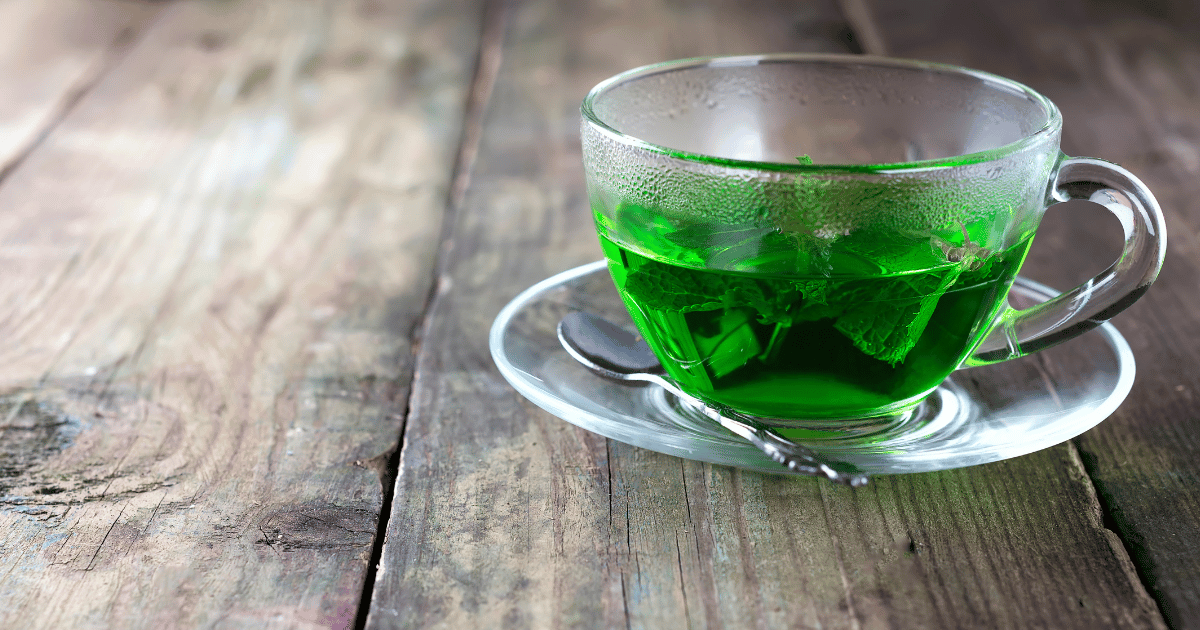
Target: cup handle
1016,333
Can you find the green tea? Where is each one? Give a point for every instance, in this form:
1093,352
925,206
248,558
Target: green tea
883,320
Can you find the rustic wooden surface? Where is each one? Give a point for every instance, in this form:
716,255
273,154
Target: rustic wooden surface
213,263
506,517
250,251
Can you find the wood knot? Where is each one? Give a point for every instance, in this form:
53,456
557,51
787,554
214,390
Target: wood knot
31,432
318,527
212,40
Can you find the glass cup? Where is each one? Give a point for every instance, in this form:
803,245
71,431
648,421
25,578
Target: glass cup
820,240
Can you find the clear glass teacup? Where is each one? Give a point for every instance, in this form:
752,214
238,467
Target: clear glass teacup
820,240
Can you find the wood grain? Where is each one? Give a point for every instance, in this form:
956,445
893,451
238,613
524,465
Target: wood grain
1126,76
507,517
52,54
213,267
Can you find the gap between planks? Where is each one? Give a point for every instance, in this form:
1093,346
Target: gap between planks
1105,520
483,80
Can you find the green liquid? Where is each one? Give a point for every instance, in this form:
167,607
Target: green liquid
869,336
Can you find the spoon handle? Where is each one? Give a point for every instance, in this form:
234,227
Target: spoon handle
613,352
795,457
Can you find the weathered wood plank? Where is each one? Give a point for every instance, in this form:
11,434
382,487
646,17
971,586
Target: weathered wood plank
211,272
507,517
51,54
1126,76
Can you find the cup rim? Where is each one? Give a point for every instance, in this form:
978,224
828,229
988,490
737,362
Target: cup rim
1052,126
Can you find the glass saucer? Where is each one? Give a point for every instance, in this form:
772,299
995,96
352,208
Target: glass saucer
977,415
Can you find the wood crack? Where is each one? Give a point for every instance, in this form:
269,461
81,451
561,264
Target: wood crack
491,52
851,613
487,67
748,560
92,562
687,613
388,477
628,535
1123,551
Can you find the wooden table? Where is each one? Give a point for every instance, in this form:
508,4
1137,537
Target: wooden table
250,251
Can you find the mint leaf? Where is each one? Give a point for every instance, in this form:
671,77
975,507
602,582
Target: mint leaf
885,318
663,287
815,291
775,300
822,300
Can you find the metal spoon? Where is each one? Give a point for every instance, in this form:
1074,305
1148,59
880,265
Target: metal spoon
612,352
